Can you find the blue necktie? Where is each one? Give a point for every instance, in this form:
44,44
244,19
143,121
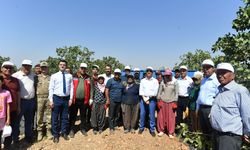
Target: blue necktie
64,83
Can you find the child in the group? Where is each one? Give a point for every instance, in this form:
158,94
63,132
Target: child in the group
99,106
5,100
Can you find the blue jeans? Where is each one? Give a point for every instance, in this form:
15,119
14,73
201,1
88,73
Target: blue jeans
60,114
27,110
144,107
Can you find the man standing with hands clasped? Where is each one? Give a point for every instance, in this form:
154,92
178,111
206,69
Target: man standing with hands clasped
60,96
230,113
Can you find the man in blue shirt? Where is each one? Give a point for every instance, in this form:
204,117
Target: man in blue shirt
230,113
113,93
208,91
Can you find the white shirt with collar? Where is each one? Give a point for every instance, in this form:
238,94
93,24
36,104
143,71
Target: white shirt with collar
149,87
56,85
106,78
27,88
184,86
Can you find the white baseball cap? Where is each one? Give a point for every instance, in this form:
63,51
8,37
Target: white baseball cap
136,69
96,66
183,67
149,68
84,65
7,63
117,71
208,62
27,62
225,66
127,68
7,130
198,75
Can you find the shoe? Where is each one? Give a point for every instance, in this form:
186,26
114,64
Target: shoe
132,131
112,131
126,131
95,132
29,140
100,131
55,139
65,136
84,132
153,134
39,136
171,136
160,134
71,134
140,131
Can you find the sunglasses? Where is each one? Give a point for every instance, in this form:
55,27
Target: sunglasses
149,70
8,67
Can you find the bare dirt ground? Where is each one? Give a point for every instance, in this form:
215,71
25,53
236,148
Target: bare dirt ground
108,141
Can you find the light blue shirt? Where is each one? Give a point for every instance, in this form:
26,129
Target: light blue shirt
231,109
208,91
56,85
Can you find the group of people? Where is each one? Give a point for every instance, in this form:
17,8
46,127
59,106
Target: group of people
216,104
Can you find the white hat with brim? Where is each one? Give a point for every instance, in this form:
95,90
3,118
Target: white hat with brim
149,68
127,68
83,65
208,62
136,69
96,66
183,67
7,63
27,62
117,71
225,66
7,130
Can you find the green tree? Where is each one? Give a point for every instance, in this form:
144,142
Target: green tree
236,47
193,60
3,59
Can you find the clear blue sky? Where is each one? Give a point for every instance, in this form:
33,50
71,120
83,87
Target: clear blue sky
137,32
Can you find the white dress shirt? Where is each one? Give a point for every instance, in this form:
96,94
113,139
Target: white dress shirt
27,88
106,78
184,86
149,87
56,85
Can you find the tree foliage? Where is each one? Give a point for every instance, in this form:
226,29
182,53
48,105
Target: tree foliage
193,60
75,55
236,47
3,59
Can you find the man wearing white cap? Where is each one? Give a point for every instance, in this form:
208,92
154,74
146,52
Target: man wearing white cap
27,94
127,71
230,113
137,75
83,92
11,84
113,93
148,90
185,83
95,73
108,74
208,91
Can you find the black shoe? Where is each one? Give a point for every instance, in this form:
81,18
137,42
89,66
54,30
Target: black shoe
140,131
65,136
84,132
153,134
95,132
55,139
71,134
29,140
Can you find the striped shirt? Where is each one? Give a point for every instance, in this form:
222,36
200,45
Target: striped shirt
230,111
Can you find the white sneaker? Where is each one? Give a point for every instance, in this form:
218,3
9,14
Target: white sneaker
160,134
171,136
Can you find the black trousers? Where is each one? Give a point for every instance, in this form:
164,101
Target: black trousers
98,114
79,104
227,141
114,110
205,125
13,123
182,104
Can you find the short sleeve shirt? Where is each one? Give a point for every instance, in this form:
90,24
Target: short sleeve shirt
115,89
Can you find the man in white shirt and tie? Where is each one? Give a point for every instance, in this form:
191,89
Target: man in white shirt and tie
60,96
